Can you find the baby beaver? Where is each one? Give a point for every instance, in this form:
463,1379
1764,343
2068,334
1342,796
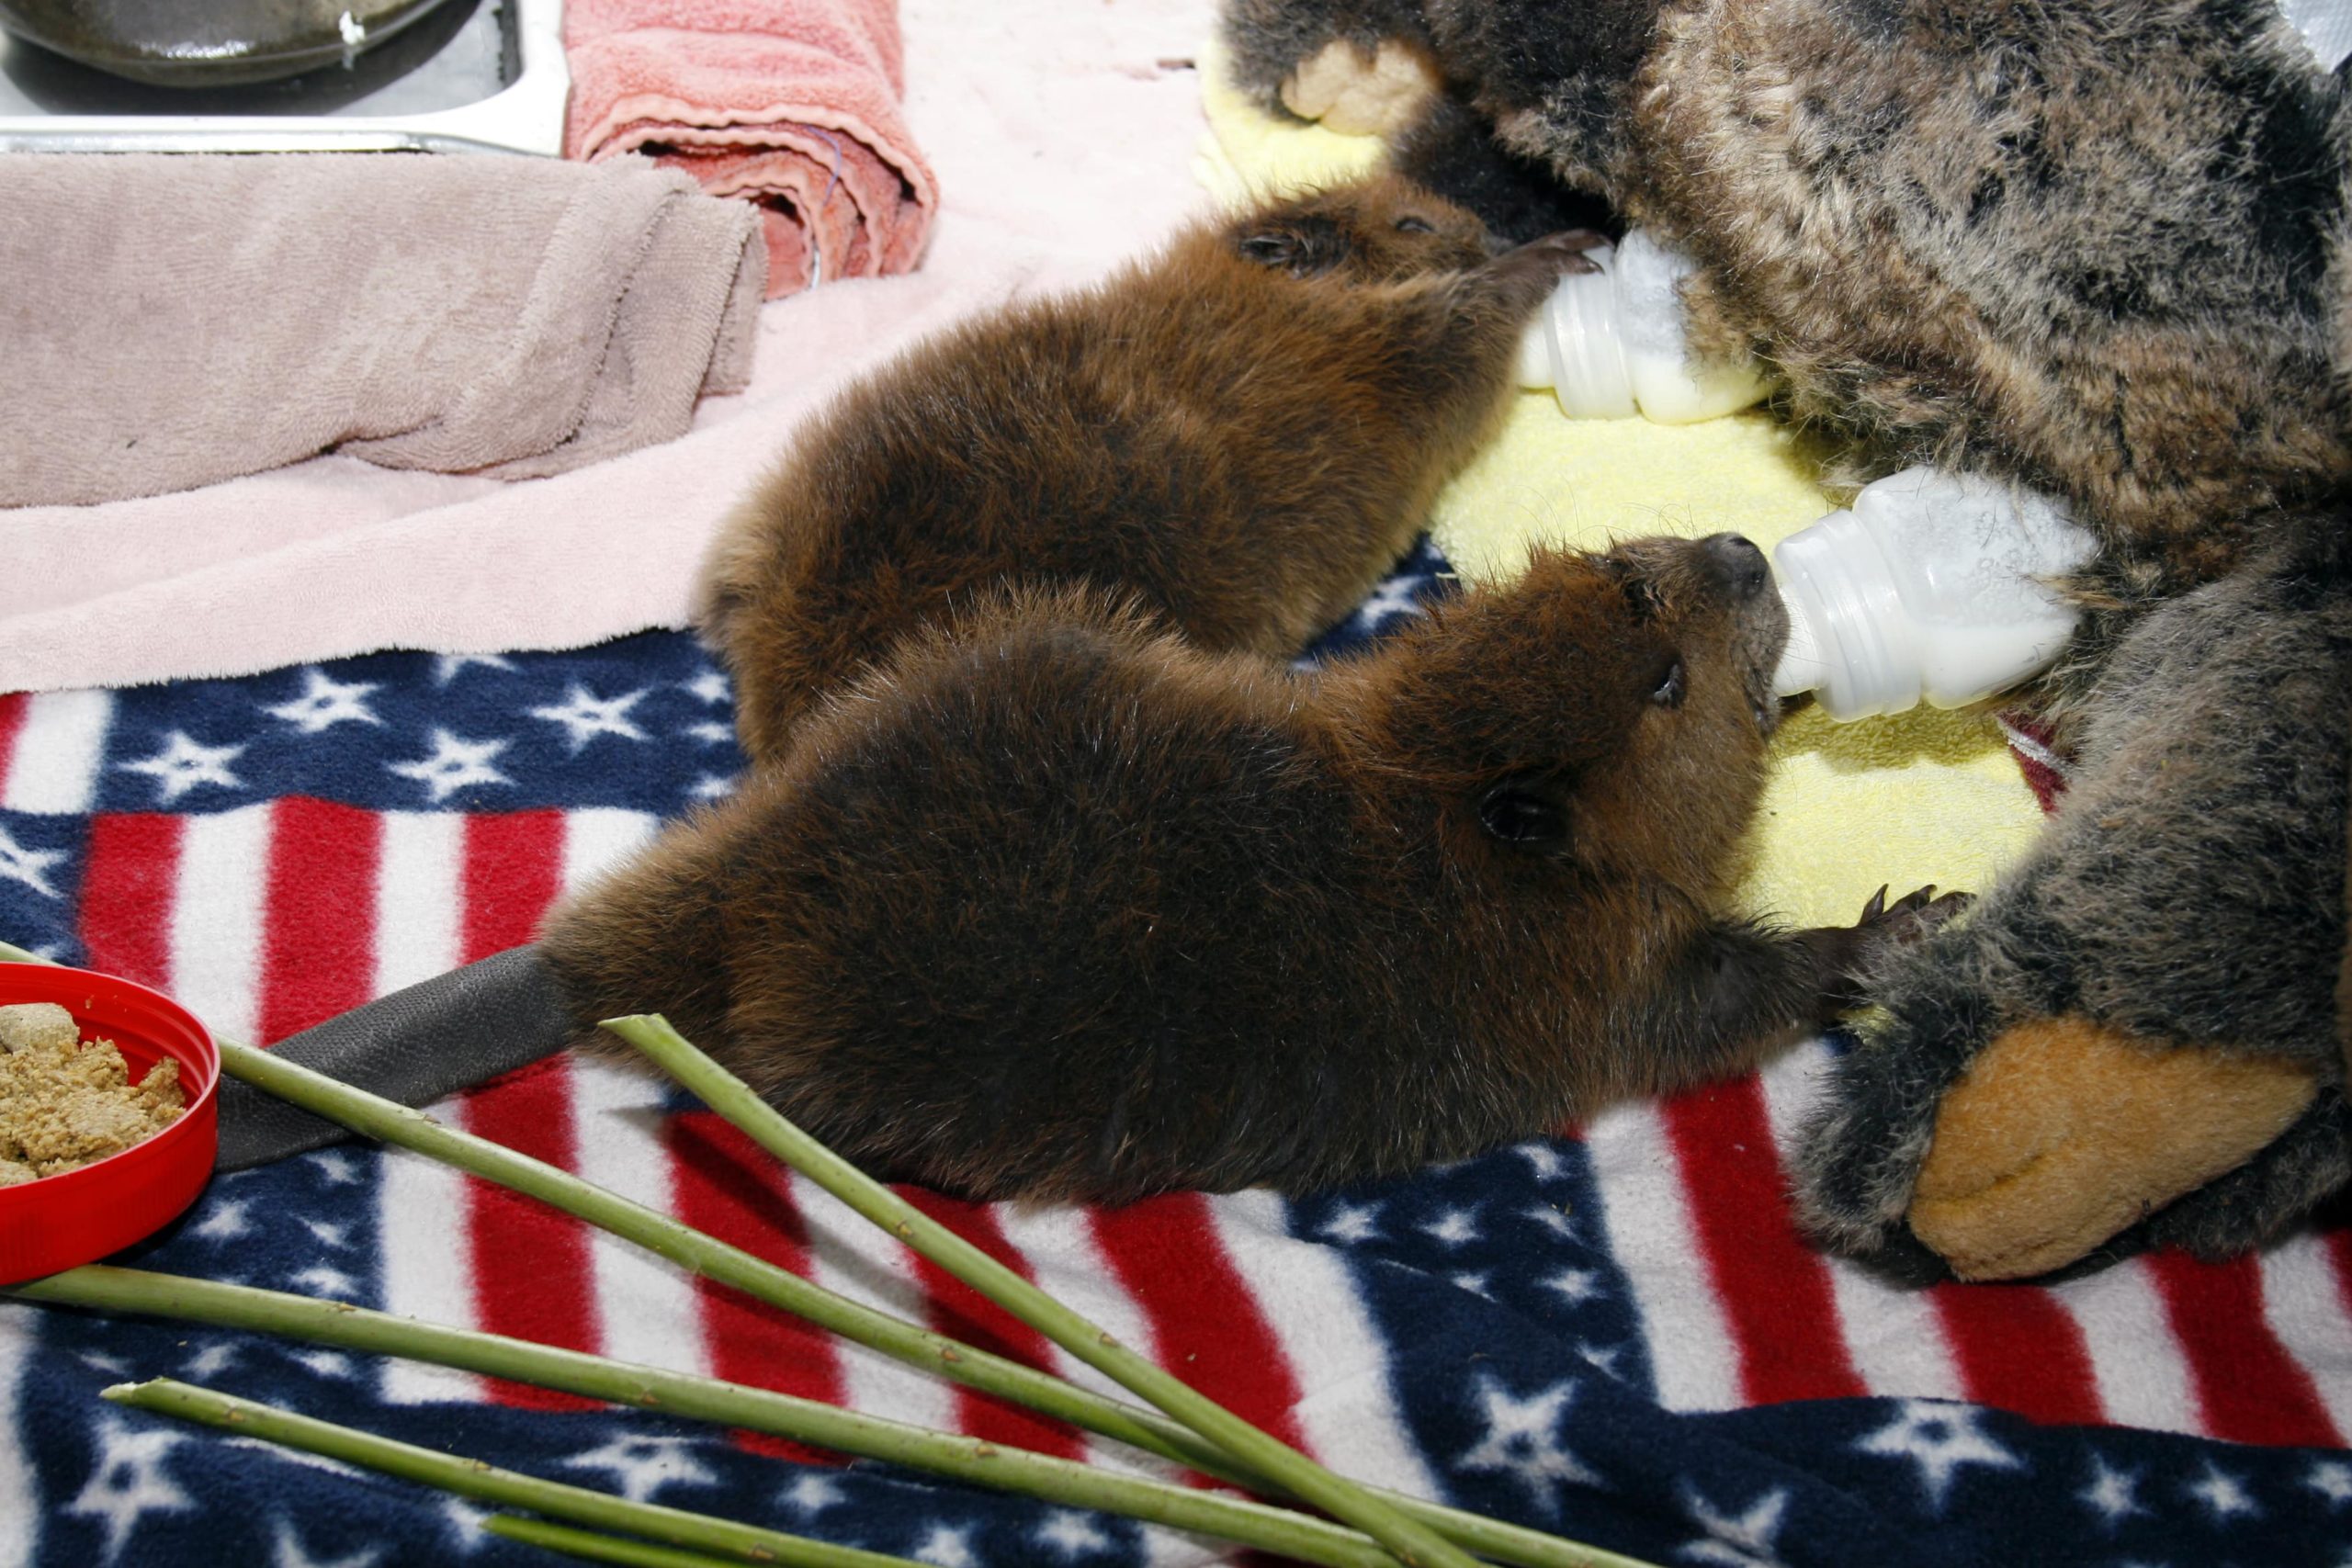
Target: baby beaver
1052,903
1241,433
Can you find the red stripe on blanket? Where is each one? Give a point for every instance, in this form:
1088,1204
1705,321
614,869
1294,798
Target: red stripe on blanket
2248,1389
727,1186
12,724
513,870
130,878
1206,1328
2018,1349
318,954
961,1313
1774,1289
531,1267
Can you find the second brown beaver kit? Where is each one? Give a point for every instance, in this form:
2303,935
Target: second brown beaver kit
1053,903
1242,432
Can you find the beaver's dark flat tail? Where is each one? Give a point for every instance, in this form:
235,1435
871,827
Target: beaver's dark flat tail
413,1046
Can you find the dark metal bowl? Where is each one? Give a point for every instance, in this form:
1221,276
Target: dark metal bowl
177,43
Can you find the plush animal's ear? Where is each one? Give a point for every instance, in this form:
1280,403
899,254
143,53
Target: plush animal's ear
1526,812
1301,244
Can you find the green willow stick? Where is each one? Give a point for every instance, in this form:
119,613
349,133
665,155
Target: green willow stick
389,1123
472,1478
1414,1544
1250,1524
596,1548
386,1122
656,1232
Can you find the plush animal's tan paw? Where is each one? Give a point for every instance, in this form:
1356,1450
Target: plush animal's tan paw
1362,95
2063,1132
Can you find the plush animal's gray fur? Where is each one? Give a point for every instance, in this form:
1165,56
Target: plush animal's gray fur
2191,889
2093,245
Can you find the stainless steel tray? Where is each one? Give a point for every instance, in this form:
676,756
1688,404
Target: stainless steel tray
486,77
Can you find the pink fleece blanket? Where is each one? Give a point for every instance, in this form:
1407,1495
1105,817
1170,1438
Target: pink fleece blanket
1062,136
792,105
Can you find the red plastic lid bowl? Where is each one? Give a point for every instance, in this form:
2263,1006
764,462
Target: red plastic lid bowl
63,1221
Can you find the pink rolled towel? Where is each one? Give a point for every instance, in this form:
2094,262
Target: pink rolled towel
793,105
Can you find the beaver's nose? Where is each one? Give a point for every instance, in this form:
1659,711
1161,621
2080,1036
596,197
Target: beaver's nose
1739,564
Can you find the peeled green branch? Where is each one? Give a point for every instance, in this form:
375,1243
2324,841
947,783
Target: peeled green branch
1414,1544
1061,1480
656,1232
386,1122
506,1488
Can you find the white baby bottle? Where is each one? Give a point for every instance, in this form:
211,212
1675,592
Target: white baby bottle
1933,586
1610,344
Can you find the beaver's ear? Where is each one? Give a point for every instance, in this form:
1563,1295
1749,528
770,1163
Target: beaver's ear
1526,812
1302,244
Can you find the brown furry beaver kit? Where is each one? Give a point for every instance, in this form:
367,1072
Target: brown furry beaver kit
1055,903
1242,432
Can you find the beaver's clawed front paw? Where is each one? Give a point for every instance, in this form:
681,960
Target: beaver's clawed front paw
1545,260
1913,916
1911,919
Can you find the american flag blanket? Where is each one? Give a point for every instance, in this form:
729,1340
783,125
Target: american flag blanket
1614,1333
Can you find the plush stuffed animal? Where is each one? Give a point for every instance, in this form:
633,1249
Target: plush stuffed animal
2098,247
2137,1039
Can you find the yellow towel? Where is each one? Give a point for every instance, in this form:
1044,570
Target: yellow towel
1925,796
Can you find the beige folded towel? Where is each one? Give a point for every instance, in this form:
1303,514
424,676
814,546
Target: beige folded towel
171,320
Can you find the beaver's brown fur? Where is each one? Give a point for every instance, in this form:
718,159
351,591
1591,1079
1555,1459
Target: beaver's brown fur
1243,432
1055,903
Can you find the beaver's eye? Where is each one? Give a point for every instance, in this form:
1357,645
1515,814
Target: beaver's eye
1524,815
1269,250
1411,225
1669,683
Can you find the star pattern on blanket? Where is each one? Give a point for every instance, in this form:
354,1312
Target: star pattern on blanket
21,863
1071,1535
1746,1540
1395,597
1574,1285
948,1546
185,763
326,702
2113,1492
399,731
1940,1438
129,1482
584,715
811,1494
210,1361
1453,1227
640,1466
1523,1442
455,764
2222,1495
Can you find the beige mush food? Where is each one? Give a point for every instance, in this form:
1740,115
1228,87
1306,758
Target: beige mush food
63,1104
